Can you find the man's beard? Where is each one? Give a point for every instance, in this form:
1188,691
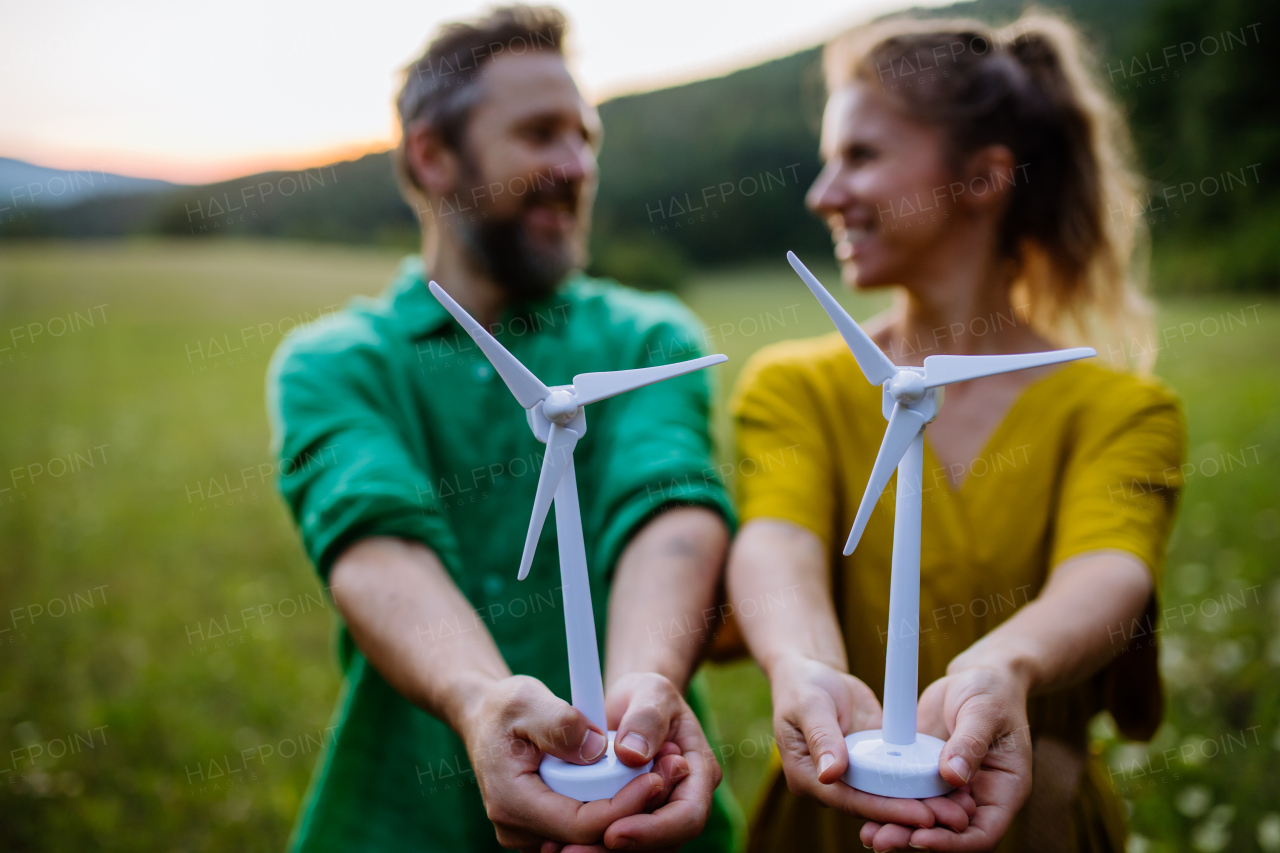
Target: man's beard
502,249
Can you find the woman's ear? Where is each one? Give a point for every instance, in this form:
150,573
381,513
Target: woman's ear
433,164
989,174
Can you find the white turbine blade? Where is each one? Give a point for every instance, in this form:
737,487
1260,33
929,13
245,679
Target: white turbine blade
904,424
946,369
593,387
874,363
560,444
527,388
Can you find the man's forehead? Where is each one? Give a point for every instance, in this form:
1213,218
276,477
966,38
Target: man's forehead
537,82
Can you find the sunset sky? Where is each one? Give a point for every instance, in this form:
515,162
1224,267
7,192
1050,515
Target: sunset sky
200,92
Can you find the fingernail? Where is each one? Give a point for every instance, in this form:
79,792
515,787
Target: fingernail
961,766
824,762
636,743
915,846
593,745
622,844
678,774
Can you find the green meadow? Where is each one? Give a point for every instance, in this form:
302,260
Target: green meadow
166,663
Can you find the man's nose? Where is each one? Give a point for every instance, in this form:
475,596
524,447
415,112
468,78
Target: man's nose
576,161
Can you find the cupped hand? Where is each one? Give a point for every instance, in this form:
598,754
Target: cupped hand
515,722
982,714
653,721
814,707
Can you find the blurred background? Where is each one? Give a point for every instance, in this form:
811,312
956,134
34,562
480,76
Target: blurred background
180,191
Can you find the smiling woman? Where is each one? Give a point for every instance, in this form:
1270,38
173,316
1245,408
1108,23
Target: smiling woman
971,171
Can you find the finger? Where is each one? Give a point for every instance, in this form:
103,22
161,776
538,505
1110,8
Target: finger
948,813
668,748
549,846
684,815
651,706
964,798
823,740
976,726
534,808
554,726
902,811
891,837
673,769
799,768
930,710
999,794
868,832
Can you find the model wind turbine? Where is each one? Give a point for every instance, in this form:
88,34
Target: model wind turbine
896,760
558,418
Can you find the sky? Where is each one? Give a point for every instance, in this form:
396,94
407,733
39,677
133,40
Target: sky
202,92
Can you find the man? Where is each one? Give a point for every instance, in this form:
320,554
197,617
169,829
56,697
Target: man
418,516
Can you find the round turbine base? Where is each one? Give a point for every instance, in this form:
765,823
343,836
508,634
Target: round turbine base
895,770
587,782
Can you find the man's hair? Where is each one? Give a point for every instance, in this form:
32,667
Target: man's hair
443,86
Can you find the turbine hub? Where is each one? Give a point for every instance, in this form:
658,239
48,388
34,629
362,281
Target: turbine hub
906,386
560,406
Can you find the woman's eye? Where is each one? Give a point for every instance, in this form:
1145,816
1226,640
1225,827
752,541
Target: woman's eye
859,154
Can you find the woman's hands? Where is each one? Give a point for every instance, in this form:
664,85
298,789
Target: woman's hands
981,712
814,706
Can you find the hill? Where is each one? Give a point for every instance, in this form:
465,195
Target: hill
714,172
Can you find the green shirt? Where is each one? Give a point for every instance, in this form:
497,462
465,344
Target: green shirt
388,421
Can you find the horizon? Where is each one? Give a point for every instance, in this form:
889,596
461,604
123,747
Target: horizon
208,133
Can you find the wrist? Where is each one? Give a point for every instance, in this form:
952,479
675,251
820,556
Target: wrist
462,709
786,661
628,678
669,668
1017,667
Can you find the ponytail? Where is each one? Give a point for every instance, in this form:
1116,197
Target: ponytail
1027,86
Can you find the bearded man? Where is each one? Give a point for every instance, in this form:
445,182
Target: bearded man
455,676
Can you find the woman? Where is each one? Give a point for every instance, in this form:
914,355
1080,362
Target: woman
976,173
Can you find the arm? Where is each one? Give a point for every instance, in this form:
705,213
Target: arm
669,571
816,702
386,589
1062,637
1059,639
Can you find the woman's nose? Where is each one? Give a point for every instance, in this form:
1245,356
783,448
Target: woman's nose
829,192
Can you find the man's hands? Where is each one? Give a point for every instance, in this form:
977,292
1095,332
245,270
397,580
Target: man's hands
516,720
982,713
814,706
510,726
653,719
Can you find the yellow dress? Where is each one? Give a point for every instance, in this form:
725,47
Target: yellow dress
1085,459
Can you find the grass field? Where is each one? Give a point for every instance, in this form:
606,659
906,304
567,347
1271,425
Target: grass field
131,404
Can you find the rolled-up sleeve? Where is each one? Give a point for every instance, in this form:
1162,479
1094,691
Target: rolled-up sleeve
346,469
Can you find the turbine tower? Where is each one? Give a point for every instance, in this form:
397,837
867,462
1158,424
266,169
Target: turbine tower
557,417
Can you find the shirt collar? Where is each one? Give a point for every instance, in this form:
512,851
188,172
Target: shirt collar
412,303
422,314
